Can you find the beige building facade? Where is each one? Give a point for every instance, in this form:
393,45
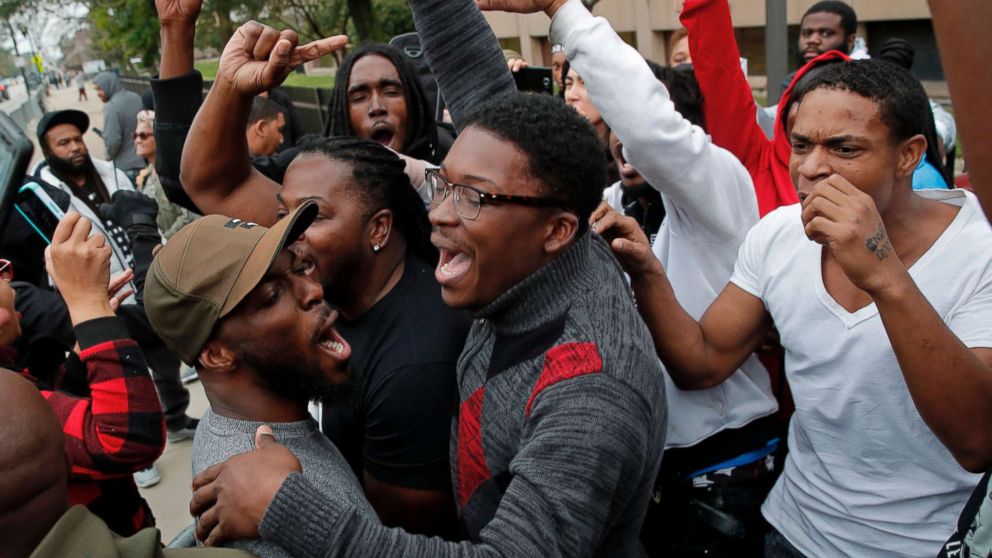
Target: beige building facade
648,24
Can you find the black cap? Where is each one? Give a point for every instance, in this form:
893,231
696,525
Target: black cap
51,119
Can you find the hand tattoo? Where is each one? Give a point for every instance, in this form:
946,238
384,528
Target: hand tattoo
878,243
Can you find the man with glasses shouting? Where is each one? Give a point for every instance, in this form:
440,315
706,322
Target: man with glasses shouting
561,420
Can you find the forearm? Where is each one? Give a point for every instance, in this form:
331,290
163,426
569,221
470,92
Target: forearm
107,441
177,100
950,385
706,183
678,338
465,58
962,36
177,49
215,157
729,106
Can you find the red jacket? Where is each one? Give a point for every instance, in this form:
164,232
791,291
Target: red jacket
728,104
112,431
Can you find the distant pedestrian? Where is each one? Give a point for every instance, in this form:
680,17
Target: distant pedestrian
119,121
81,85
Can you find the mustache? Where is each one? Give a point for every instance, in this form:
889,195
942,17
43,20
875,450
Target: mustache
323,313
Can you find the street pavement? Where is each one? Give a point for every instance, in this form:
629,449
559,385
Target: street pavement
169,499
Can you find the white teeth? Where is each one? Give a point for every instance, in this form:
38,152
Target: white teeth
333,346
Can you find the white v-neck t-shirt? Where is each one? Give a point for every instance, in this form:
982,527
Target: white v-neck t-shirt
865,476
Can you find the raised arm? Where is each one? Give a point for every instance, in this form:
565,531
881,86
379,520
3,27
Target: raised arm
962,36
178,93
705,182
728,104
462,53
216,166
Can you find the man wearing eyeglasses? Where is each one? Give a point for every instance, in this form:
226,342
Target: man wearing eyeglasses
561,420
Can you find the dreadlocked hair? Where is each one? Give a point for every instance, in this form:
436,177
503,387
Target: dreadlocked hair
421,131
380,180
903,104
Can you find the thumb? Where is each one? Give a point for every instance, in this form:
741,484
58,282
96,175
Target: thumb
264,437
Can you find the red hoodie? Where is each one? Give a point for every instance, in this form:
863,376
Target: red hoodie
729,107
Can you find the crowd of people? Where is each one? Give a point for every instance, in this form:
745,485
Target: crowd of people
644,316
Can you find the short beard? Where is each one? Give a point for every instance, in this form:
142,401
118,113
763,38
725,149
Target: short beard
293,377
65,168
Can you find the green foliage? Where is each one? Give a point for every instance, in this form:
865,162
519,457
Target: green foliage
209,70
123,29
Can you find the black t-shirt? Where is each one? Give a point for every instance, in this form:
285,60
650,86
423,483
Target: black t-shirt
404,353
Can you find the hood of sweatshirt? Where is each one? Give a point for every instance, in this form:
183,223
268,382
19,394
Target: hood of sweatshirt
109,82
780,137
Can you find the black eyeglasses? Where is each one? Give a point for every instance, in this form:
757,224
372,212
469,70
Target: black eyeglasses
469,200
142,135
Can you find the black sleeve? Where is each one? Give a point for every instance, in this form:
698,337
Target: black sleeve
408,427
274,166
177,101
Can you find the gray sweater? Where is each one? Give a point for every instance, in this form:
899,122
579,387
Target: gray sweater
559,432
219,438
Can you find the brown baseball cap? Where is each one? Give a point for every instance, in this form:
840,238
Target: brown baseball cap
207,268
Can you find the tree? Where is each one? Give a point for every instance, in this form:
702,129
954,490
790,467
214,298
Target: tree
125,29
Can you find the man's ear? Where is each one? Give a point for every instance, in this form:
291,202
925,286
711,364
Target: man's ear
850,42
562,228
911,152
217,356
380,227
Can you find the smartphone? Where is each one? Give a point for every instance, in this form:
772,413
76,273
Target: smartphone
535,80
15,155
42,226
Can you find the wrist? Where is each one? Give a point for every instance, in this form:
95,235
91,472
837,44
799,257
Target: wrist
893,288
177,29
84,310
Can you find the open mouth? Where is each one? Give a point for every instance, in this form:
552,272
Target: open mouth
331,341
451,266
382,133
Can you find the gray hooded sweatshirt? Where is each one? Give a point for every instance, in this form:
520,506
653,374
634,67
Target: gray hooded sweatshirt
120,118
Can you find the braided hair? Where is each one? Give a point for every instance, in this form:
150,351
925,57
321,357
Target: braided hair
421,131
381,182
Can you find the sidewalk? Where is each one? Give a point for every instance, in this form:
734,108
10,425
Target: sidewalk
169,500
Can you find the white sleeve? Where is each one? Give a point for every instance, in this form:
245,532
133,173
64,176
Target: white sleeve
748,271
972,321
946,127
706,184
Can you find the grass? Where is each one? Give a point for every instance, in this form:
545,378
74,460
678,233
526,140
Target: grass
209,70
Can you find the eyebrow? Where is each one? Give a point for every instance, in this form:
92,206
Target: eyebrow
367,85
473,177
831,141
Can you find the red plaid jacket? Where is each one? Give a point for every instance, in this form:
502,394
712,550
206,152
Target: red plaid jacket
112,431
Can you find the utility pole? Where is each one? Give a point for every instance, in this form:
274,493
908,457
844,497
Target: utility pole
776,47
